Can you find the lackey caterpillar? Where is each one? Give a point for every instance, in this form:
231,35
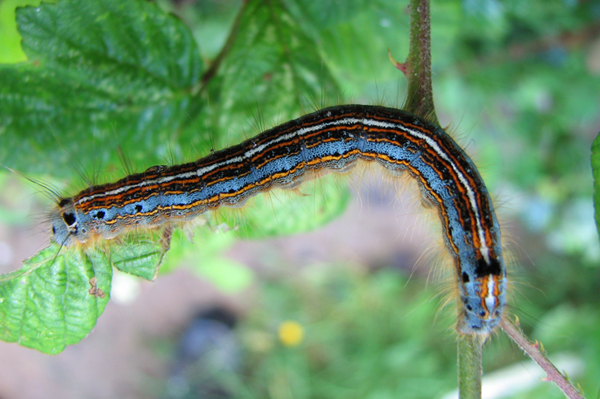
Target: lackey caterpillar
331,139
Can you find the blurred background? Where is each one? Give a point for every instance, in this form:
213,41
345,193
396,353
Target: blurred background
354,308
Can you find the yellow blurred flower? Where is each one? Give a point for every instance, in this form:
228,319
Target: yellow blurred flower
290,333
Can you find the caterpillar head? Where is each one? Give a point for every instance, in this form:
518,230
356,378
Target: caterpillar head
66,227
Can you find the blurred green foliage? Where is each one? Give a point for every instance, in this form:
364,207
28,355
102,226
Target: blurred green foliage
365,337
371,335
519,79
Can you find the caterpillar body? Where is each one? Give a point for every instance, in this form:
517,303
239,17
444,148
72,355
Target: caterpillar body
331,139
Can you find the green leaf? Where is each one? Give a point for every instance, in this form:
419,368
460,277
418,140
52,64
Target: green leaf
596,172
55,298
10,41
118,74
139,254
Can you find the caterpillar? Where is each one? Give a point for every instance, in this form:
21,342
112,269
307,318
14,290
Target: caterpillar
330,139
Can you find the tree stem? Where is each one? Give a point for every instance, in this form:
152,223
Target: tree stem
417,67
469,366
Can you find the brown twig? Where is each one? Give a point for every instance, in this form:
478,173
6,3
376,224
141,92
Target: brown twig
535,351
212,71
